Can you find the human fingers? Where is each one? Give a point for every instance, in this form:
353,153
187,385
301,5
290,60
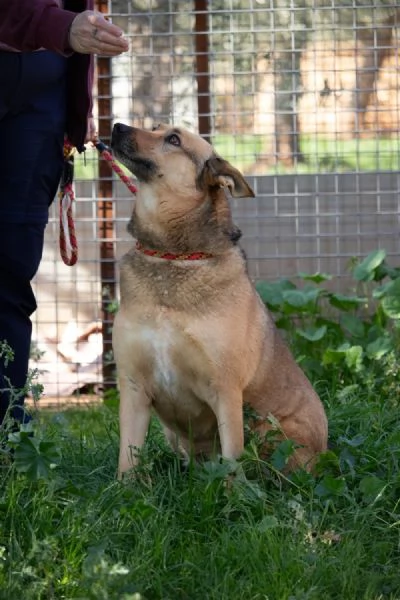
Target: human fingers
107,29
86,38
107,43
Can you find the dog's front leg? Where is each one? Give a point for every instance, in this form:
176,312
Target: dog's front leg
134,419
229,411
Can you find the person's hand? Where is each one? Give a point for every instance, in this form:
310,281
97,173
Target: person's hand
91,132
91,33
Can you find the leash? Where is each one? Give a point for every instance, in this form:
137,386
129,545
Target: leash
106,154
67,240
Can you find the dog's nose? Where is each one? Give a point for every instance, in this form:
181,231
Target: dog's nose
120,128
120,133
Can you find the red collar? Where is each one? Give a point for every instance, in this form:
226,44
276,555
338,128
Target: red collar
170,256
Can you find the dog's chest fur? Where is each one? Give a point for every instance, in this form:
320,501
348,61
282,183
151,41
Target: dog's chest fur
158,341
177,373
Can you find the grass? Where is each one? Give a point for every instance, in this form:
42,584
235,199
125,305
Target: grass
321,155
225,530
178,534
362,154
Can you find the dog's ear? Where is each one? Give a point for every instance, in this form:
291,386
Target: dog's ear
217,172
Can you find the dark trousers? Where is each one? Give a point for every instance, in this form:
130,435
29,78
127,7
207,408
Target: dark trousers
32,123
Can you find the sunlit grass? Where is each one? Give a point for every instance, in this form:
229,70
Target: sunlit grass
319,155
362,154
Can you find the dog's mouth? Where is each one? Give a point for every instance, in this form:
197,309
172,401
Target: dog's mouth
143,168
124,147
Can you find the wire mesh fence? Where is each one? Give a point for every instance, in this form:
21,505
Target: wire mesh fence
302,96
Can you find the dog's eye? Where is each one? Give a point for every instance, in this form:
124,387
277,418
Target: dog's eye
173,139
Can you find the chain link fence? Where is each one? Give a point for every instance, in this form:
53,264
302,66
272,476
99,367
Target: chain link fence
302,96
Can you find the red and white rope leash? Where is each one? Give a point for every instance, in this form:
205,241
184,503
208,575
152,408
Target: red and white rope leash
68,241
106,154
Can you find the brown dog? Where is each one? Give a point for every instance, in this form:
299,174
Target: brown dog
192,339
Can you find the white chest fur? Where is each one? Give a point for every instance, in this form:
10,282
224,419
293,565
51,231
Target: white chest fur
178,379
160,343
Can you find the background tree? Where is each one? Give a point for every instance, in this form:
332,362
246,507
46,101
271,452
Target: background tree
299,22
374,30
160,47
274,34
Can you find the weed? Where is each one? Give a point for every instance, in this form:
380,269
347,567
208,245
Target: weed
227,529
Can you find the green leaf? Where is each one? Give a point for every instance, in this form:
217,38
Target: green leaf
346,302
379,347
392,272
301,298
333,356
354,442
139,509
311,366
354,357
36,458
353,325
268,522
25,431
271,293
371,488
284,322
214,471
365,270
351,355
391,301
312,334
282,453
330,486
347,460
383,271
380,291
327,462
316,277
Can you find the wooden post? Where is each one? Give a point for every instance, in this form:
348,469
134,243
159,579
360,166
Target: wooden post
105,212
202,68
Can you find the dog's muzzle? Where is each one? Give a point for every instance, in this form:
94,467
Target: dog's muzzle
120,132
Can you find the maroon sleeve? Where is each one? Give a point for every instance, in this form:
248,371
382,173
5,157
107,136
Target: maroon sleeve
27,25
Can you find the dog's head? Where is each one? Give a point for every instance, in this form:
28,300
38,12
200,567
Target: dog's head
180,176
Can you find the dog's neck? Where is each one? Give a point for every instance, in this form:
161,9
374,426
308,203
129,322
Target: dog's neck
207,230
170,256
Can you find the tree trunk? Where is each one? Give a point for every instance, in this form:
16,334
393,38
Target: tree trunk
372,47
287,126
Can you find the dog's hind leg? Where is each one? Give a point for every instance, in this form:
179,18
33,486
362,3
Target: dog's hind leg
134,419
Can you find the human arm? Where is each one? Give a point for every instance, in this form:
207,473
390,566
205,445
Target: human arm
31,24
28,25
